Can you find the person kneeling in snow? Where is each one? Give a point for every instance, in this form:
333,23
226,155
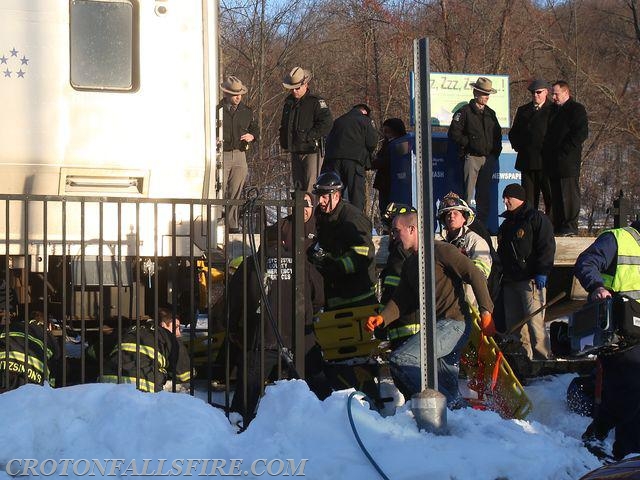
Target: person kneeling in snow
156,352
453,325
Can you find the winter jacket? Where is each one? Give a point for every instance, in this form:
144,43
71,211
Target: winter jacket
235,124
473,246
597,266
168,359
304,123
352,137
277,278
477,132
526,245
452,269
406,325
25,358
619,400
567,130
527,135
345,235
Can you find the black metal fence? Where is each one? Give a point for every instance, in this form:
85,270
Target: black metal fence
84,280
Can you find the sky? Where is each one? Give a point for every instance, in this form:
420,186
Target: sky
104,421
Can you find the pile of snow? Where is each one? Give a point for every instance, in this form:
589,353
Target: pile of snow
117,422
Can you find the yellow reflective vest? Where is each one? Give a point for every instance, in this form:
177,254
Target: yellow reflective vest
626,279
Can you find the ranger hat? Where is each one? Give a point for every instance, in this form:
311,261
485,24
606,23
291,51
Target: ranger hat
233,86
484,85
296,78
538,84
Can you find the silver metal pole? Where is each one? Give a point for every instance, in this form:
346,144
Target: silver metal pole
428,406
424,173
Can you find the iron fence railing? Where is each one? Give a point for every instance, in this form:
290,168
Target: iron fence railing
84,280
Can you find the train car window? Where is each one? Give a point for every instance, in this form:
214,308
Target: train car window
103,38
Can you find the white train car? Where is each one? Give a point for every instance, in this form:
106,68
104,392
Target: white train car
105,98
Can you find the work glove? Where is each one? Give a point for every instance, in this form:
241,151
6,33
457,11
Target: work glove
486,324
373,322
541,281
315,254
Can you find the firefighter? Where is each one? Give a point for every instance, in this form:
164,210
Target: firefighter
344,252
609,265
453,326
138,352
34,339
264,346
406,325
455,216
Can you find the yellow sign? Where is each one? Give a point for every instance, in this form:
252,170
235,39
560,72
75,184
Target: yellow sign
450,91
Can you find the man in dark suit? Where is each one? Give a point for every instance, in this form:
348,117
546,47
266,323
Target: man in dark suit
526,137
562,155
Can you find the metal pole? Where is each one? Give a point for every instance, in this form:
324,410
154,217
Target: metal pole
300,284
425,215
429,406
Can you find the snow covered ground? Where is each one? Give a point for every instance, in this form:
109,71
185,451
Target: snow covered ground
103,422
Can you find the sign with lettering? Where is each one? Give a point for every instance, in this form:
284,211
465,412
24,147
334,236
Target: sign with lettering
450,91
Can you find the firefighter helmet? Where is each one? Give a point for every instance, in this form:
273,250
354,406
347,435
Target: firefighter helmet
327,182
452,201
394,209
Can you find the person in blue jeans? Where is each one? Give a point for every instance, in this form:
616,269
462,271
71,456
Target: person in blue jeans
453,324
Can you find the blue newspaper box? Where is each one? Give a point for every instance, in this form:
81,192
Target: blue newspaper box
447,175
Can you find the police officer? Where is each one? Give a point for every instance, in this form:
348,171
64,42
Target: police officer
344,252
526,248
239,130
476,130
170,360
306,120
609,265
350,144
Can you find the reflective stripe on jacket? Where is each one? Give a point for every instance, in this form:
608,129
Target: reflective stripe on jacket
626,279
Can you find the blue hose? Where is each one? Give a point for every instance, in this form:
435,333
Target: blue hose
355,434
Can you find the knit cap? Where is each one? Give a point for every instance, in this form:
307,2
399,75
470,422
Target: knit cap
514,190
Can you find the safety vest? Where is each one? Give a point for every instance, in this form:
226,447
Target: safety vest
626,279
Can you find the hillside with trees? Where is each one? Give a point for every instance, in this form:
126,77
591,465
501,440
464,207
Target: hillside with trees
361,51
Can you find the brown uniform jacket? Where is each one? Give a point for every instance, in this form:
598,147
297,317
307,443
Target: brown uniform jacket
452,268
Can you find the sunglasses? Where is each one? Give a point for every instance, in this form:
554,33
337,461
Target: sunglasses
537,92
